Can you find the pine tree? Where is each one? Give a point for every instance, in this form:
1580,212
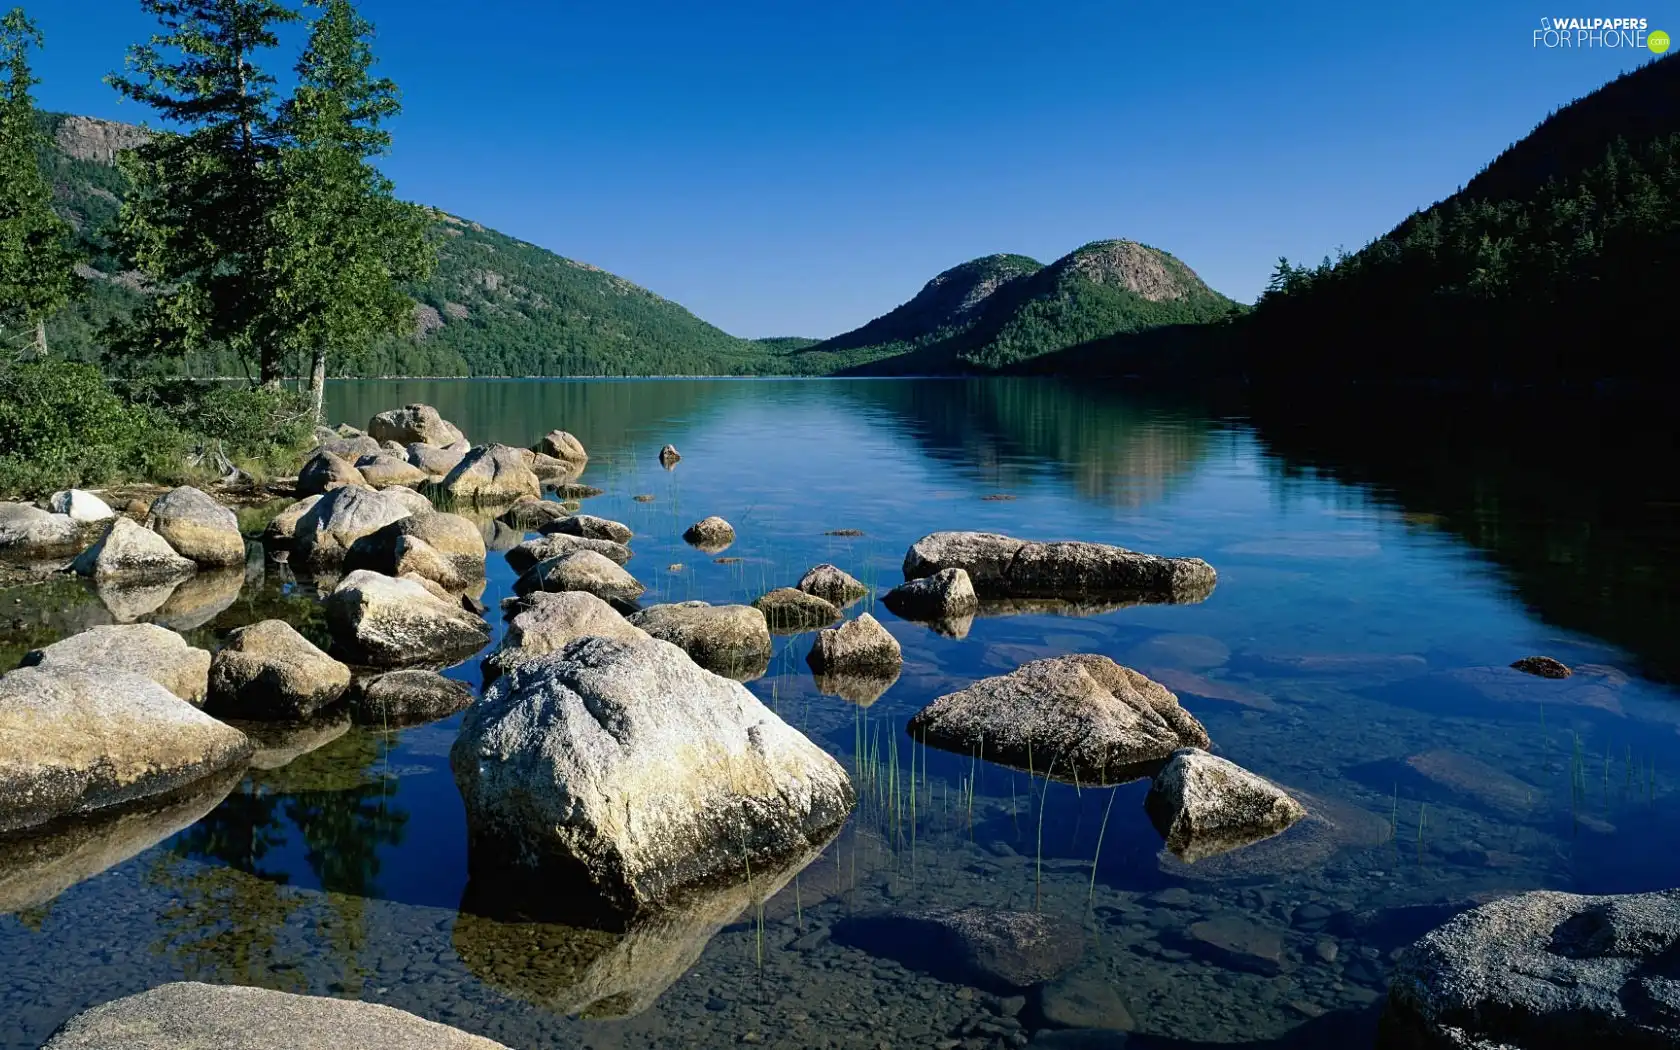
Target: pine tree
343,245
197,221
36,260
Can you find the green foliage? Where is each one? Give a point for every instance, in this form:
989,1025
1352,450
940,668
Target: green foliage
35,256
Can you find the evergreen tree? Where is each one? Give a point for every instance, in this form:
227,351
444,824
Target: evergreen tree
197,220
36,260
343,245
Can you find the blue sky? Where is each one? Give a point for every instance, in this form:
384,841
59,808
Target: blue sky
799,168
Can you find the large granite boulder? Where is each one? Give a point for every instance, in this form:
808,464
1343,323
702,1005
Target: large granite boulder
444,548
589,527
436,462
1005,567
412,696
711,535
529,553
325,471
281,529
268,671
832,584
75,741
408,498
946,595
493,474
190,1016
197,527
348,447
1542,970
544,621
616,778
386,621
790,611
1080,715
1205,805
860,646
414,424
328,530
140,648
80,505
130,553
561,445
387,469
583,570
34,533
730,640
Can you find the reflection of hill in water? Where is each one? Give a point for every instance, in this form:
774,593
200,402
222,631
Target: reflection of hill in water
1578,502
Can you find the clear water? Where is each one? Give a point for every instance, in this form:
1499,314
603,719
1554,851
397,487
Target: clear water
1371,593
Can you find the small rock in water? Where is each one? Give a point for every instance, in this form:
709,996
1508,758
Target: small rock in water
998,497
668,456
945,595
1081,1000
590,526
1003,951
858,645
844,532
643,498
711,534
832,584
788,610
1238,943
1204,805
1543,667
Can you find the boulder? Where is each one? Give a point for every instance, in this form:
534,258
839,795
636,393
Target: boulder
789,611
282,528
1542,667
80,505
190,1016
618,778
529,515
387,469
581,571
386,621
327,530
946,595
326,471
408,697
1005,567
197,527
444,548
34,533
589,527
435,462
711,534
268,671
1204,805
552,470
492,474
730,640
349,447
668,456
544,621
130,553
79,740
527,554
414,424
573,491
1542,969
408,498
1080,715
561,445
141,648
1002,952
832,584
857,646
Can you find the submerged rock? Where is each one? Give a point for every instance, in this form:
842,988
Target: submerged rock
1000,951
444,548
190,1016
545,621
493,474
530,514
1329,828
197,527
1004,567
583,570
616,778
1078,715
270,671
1542,667
1542,969
832,584
412,424
946,595
74,741
668,456
326,471
860,645
1204,805
327,530
730,640
789,611
529,553
563,446
130,553
712,535
406,698
589,527
141,648
387,622
35,533
80,506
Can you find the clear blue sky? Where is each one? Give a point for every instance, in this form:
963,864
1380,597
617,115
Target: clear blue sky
794,168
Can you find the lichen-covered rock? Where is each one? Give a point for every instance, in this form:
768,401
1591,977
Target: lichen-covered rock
624,776
946,595
529,515
408,498
281,529
668,456
730,640
191,1016
75,741
141,648
414,424
270,671
832,584
589,527
582,570
327,530
561,445
387,469
326,471
1205,805
1079,715
444,548
131,553
493,474
527,554
197,527
1539,970
384,621
545,621
408,697
1542,667
435,462
1005,567
789,611
80,505
856,646
34,533
711,534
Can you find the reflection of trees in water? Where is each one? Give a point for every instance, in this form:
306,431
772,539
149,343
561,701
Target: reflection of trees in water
231,874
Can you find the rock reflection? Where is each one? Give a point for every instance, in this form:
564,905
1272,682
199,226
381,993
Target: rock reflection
859,689
199,599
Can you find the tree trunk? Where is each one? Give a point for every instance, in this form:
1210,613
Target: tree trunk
41,338
318,382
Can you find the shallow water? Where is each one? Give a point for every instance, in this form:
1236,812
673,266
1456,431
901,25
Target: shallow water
1370,597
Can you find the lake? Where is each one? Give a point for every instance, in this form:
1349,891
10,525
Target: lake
1380,565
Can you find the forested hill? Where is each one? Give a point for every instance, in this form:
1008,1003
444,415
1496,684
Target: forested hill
497,306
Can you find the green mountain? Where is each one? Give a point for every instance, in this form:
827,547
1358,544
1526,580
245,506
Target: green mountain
994,312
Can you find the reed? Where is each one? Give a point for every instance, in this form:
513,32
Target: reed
1091,894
